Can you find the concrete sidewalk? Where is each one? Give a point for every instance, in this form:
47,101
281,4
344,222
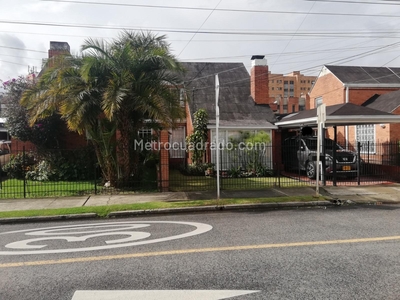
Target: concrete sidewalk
358,194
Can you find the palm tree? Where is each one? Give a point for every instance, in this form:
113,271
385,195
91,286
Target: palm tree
62,90
113,88
142,83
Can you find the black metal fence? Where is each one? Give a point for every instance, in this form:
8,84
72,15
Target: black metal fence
290,165
34,174
30,174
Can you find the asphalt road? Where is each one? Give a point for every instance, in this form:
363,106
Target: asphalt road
338,253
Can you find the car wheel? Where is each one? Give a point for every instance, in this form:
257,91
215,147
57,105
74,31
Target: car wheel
310,170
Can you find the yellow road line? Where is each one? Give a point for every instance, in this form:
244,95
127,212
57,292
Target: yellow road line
200,250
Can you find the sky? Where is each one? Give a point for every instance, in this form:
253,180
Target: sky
294,35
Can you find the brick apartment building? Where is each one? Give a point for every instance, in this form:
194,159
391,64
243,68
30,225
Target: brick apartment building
290,91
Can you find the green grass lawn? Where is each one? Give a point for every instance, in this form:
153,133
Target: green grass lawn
14,188
180,182
103,211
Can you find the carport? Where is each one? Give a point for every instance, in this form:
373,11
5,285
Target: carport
346,114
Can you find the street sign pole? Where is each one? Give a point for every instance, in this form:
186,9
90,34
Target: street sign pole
321,118
217,131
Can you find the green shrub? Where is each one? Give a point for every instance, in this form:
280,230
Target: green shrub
18,165
235,172
196,169
41,172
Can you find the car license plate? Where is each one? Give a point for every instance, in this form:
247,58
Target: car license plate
346,168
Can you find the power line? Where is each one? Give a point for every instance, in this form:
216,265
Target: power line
298,28
384,2
224,9
14,63
200,27
1,54
332,62
22,49
352,34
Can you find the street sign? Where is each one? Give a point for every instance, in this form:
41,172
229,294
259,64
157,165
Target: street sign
321,114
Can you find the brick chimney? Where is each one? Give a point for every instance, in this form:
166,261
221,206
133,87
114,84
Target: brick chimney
259,80
57,49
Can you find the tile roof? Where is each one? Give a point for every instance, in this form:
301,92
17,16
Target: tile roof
237,107
366,75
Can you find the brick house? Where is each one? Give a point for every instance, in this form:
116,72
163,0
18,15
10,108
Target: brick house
68,140
244,102
366,86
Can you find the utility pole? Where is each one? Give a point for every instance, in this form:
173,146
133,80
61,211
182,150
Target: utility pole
217,131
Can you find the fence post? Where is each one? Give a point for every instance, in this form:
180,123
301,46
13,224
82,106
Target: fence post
95,178
358,162
24,169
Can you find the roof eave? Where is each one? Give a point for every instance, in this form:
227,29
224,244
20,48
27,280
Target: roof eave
343,121
371,85
249,127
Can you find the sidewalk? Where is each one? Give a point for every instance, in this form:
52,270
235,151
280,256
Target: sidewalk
389,194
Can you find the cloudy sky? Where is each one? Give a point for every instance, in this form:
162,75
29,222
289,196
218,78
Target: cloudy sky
295,35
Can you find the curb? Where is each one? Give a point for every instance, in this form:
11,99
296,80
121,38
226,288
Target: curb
130,213
265,206
49,218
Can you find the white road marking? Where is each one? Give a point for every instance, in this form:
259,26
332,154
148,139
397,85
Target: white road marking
133,236
76,233
157,295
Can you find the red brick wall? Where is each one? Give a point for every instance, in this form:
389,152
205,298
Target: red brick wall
164,162
394,129
329,88
359,96
68,141
18,146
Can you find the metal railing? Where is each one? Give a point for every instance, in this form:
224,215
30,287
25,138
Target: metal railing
29,174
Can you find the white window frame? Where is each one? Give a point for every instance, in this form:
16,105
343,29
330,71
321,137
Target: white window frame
364,134
177,143
145,132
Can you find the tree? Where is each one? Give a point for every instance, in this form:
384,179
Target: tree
113,88
142,85
42,134
197,140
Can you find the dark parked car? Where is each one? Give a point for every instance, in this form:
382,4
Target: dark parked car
302,154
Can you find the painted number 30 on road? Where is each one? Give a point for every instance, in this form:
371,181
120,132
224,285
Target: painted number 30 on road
111,235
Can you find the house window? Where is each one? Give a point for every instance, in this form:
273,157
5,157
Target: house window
318,101
177,143
365,134
145,134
